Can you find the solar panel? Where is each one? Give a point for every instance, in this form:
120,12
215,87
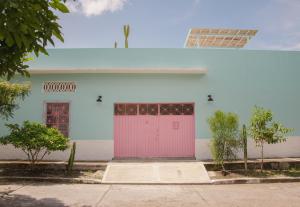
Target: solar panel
218,38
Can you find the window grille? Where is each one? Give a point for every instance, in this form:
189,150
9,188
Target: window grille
57,116
154,109
59,86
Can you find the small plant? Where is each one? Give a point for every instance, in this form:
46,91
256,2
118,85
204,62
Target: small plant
244,145
264,130
35,140
225,133
126,29
71,159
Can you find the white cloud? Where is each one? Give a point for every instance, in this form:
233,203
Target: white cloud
95,7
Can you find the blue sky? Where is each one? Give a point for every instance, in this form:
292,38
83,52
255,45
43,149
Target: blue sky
165,23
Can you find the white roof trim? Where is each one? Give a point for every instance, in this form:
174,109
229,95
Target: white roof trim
119,70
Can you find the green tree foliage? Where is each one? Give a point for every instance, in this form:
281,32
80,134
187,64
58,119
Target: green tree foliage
126,29
10,93
264,130
26,27
225,132
35,140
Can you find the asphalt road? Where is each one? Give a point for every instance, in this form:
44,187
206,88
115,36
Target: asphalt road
61,195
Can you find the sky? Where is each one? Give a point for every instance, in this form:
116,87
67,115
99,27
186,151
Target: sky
165,23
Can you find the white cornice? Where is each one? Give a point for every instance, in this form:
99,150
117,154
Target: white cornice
119,70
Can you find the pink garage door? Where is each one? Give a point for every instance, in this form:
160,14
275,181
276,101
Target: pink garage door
154,130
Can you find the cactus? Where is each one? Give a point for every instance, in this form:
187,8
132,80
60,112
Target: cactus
116,44
126,34
244,142
71,159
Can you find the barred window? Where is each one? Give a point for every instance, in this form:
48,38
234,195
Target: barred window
57,116
59,86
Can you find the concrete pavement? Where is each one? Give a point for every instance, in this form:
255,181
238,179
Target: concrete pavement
75,195
156,172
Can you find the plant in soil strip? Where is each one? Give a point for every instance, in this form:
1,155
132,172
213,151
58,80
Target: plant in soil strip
225,141
35,140
264,130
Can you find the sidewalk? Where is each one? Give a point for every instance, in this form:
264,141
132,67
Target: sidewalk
62,195
156,173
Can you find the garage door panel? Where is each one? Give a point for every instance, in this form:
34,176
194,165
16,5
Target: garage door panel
177,136
147,144
154,130
125,139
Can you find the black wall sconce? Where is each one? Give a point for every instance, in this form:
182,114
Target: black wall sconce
209,98
99,99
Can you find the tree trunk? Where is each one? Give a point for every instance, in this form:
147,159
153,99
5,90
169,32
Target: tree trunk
262,157
245,163
224,171
245,156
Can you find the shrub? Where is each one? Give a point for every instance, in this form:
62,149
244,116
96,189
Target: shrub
225,137
264,130
35,140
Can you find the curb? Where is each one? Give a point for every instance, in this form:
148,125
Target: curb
254,180
125,183
98,181
221,181
51,180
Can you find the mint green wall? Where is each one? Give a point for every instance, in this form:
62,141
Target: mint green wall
237,79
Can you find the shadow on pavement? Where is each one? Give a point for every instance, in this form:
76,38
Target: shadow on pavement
16,200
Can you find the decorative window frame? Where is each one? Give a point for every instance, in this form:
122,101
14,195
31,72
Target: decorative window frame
183,109
56,87
44,115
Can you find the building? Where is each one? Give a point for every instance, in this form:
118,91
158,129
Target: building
143,103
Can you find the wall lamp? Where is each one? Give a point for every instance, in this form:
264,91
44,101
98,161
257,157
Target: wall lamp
210,98
99,99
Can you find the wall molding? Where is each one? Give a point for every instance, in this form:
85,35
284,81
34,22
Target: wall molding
134,70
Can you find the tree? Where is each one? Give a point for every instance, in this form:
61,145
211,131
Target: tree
35,140
10,93
26,27
264,130
225,133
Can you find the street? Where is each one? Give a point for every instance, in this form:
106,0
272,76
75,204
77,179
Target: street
61,195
